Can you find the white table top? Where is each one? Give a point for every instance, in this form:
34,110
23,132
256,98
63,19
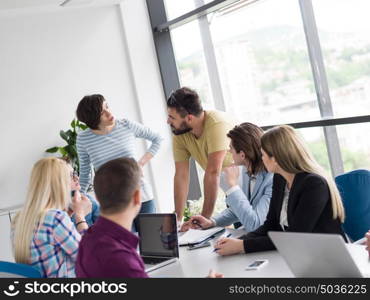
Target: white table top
197,263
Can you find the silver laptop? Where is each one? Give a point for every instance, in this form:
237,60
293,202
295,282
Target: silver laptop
315,255
158,240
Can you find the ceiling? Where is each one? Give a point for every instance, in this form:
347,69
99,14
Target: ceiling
14,5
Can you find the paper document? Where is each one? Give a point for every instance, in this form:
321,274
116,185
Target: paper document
360,241
193,236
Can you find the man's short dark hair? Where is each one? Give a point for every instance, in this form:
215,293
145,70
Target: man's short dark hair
185,101
89,110
115,183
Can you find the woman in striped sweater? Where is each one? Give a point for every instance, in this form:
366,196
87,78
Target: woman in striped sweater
108,138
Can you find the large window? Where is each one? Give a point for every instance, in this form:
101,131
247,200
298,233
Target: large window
355,146
190,60
176,8
305,62
263,62
345,40
315,139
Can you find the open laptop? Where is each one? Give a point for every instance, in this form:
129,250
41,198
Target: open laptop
158,240
315,255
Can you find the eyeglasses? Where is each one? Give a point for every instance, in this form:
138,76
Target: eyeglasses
172,101
74,175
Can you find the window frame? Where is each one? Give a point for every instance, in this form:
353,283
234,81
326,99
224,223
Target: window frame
161,33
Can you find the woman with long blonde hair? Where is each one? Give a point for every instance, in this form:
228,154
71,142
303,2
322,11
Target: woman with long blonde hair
43,234
304,197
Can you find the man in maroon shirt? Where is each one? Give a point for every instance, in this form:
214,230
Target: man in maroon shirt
108,248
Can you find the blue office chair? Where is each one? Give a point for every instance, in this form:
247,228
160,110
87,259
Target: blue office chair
9,269
354,188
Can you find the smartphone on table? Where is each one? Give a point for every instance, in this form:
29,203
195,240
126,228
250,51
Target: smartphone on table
257,264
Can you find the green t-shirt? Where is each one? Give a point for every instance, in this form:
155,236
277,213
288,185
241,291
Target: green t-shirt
216,126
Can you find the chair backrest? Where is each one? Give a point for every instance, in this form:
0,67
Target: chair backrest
10,269
354,187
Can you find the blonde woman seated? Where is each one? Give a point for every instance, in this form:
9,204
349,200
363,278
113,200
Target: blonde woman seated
43,234
304,198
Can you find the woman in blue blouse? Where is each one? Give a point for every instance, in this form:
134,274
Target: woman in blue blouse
247,203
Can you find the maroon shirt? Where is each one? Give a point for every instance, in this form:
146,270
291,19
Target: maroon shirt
109,250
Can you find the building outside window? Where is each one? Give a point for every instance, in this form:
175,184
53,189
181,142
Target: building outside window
279,62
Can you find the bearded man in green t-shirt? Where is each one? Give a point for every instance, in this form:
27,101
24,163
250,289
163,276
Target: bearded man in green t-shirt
202,135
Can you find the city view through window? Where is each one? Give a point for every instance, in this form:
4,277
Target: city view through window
265,72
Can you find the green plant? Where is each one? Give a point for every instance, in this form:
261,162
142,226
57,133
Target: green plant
69,151
187,214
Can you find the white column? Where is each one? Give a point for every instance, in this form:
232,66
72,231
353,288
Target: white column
150,98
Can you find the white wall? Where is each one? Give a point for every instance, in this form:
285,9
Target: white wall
5,249
150,96
50,60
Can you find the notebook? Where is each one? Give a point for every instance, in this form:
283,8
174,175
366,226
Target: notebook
196,236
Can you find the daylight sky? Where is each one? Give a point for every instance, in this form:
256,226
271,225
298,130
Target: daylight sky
331,16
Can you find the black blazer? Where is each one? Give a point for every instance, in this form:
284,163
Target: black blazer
309,210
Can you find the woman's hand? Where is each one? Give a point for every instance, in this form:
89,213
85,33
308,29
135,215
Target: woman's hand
81,205
185,226
213,274
146,157
231,175
229,246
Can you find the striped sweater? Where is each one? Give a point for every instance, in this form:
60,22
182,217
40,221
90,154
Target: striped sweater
95,150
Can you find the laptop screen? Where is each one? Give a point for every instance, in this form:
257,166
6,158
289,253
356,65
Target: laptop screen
158,235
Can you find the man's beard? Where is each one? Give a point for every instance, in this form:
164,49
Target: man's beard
183,129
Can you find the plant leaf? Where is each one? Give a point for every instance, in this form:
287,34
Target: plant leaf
63,151
52,150
63,135
69,132
82,126
74,151
70,137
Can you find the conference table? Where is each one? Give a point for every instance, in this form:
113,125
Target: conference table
197,263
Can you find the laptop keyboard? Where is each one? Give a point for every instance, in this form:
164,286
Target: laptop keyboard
154,260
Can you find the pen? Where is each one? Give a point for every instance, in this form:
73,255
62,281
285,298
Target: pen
196,222
214,250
